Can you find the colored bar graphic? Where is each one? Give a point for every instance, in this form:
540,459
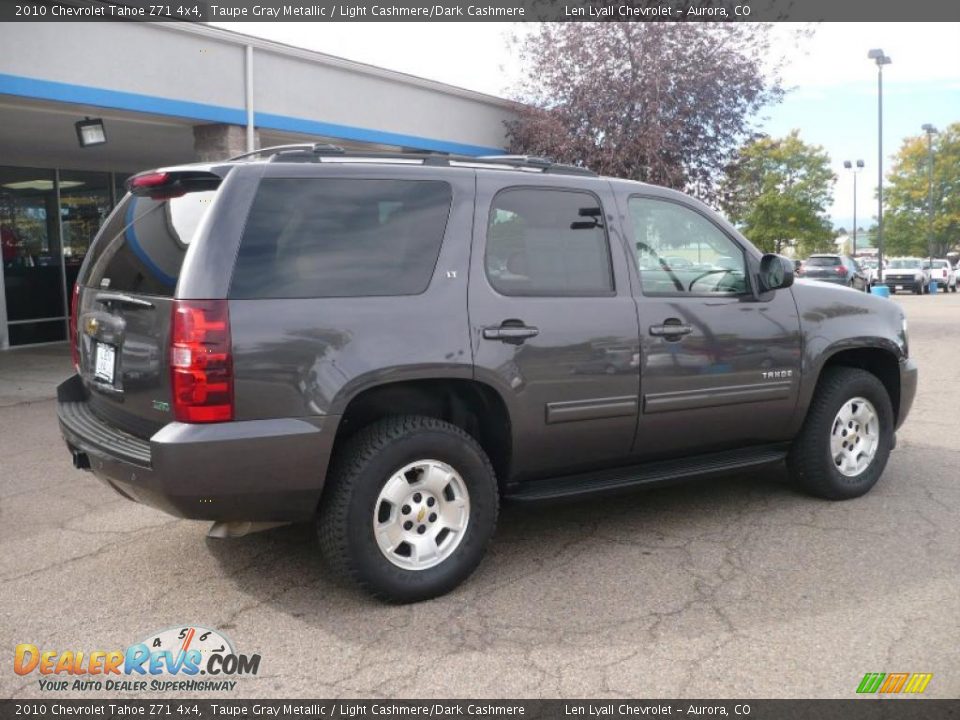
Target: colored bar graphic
871,682
918,682
894,683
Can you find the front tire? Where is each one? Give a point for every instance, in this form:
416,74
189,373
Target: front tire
847,436
410,505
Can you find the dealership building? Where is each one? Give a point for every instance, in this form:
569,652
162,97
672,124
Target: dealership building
168,93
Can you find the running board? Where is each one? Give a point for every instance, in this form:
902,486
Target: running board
652,473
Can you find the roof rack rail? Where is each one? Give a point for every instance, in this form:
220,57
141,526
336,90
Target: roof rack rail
306,152
272,150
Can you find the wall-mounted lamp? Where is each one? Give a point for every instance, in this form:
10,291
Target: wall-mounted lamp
91,132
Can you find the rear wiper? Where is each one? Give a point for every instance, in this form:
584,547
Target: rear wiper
108,297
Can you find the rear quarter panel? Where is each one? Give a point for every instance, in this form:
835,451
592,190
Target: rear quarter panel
309,357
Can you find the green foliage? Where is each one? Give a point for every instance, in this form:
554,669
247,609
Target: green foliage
906,222
777,191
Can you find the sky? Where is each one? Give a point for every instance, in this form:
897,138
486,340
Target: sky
833,86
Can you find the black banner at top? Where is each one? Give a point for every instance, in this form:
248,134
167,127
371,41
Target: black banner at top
478,10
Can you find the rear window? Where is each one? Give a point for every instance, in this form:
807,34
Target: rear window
341,237
141,247
822,261
904,264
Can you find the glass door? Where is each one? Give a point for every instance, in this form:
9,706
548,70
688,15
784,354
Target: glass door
32,260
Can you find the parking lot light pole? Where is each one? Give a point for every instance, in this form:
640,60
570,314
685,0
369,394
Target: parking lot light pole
930,130
850,166
881,59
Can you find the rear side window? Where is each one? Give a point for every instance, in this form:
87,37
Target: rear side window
341,237
141,247
548,243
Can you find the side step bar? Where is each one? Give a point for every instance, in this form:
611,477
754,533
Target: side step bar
653,473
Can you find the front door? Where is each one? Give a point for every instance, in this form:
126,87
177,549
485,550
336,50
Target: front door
553,322
719,368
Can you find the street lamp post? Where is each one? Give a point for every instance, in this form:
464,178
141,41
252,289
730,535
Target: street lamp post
850,166
930,130
881,59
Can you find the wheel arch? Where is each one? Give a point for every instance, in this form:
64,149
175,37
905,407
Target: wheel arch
879,360
474,406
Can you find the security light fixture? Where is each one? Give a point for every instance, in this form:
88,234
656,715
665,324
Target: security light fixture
91,132
879,57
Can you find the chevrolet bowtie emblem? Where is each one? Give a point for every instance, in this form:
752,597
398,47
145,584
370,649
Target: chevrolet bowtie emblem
91,326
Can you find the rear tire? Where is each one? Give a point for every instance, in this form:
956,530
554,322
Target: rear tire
370,511
819,461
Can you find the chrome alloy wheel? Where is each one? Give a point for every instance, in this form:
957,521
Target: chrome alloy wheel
855,437
421,515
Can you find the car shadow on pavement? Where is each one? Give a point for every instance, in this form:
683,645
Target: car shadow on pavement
541,544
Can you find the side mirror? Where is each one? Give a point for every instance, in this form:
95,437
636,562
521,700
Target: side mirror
776,272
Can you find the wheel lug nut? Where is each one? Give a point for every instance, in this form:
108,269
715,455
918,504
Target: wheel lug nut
433,517
431,502
417,497
405,509
422,529
407,525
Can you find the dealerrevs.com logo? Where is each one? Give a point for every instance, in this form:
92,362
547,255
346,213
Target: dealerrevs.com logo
189,658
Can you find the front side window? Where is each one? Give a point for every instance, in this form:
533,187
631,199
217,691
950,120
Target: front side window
679,252
548,243
323,237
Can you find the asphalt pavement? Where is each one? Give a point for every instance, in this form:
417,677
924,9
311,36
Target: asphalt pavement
732,588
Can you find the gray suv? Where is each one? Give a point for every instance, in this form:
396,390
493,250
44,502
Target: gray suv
390,345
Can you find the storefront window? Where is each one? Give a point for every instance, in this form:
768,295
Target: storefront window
33,280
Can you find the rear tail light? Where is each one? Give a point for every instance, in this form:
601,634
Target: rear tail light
74,322
201,365
842,270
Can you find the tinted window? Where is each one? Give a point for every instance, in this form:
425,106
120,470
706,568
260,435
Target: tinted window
341,238
679,251
904,264
823,261
141,247
547,242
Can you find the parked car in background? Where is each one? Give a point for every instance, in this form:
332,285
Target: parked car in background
907,274
870,266
836,269
942,273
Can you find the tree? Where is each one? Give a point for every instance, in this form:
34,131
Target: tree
777,190
906,227
665,103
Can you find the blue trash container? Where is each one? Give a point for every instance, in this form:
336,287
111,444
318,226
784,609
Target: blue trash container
881,290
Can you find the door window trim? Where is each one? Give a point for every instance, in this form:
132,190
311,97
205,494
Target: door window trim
632,252
552,188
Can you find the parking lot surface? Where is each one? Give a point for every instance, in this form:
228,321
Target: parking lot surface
738,587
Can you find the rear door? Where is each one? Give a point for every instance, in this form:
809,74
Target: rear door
126,287
553,323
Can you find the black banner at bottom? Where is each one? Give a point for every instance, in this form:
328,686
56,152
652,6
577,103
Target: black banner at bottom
854,709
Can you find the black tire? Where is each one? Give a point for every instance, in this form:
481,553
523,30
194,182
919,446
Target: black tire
358,473
810,463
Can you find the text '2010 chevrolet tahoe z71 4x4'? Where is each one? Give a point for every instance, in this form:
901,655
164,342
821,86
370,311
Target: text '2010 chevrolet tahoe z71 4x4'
391,344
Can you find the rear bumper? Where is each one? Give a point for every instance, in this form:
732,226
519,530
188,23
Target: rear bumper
256,470
908,388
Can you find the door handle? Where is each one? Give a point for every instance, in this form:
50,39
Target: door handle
671,329
513,332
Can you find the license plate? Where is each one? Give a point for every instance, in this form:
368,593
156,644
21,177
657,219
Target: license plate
106,357
898,287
